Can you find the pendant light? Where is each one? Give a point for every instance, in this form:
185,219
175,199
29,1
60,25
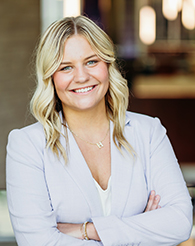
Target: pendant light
188,15
71,8
170,9
147,25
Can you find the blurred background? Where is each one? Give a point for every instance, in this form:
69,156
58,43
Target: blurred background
155,44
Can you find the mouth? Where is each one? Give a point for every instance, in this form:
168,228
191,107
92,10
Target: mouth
84,90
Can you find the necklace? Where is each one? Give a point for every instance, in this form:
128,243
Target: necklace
98,144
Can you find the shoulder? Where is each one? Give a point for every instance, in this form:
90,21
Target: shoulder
140,119
34,131
28,137
144,124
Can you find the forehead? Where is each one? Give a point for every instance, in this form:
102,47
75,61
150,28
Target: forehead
77,46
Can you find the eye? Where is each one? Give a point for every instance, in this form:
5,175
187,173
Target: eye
67,68
92,62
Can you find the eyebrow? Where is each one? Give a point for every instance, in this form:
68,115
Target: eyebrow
87,58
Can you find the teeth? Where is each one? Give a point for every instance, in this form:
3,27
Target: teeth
84,90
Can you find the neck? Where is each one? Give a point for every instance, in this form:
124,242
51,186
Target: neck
90,121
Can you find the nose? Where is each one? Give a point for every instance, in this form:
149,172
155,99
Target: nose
81,75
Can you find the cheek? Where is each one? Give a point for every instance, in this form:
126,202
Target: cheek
104,75
60,82
106,80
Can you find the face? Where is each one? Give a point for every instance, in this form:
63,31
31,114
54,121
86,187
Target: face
82,79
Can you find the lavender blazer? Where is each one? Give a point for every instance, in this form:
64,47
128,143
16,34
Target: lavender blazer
42,190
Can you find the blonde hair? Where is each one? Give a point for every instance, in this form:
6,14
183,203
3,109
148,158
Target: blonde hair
45,104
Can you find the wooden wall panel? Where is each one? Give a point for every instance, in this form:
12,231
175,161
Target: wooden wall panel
178,116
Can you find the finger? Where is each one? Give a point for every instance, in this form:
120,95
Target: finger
155,202
150,201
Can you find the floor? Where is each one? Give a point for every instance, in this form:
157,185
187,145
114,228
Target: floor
8,244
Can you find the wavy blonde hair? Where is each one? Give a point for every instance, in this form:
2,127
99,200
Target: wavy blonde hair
45,104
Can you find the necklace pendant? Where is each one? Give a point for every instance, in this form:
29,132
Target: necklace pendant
100,145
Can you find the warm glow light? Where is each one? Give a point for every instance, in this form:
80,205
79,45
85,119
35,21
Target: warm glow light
193,1
147,25
188,15
179,5
72,8
170,9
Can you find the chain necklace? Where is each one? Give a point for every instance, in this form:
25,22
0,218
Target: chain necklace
98,144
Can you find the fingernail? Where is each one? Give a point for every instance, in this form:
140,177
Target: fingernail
152,192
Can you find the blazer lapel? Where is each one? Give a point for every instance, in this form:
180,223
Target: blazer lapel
122,170
80,173
121,174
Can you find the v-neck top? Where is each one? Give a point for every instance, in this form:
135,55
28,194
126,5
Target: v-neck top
105,197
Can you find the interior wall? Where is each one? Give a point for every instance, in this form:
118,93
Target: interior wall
19,32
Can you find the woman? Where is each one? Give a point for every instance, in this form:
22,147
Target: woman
83,174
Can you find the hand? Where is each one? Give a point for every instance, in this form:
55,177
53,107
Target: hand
74,230
153,202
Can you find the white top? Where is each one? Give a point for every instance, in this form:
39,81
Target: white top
105,197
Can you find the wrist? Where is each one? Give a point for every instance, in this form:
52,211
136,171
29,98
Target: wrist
91,232
83,230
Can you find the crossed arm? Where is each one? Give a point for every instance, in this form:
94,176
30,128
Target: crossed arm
75,230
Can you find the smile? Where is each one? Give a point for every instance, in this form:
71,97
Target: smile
84,90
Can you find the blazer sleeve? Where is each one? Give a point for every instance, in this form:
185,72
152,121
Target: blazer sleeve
169,225
32,216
